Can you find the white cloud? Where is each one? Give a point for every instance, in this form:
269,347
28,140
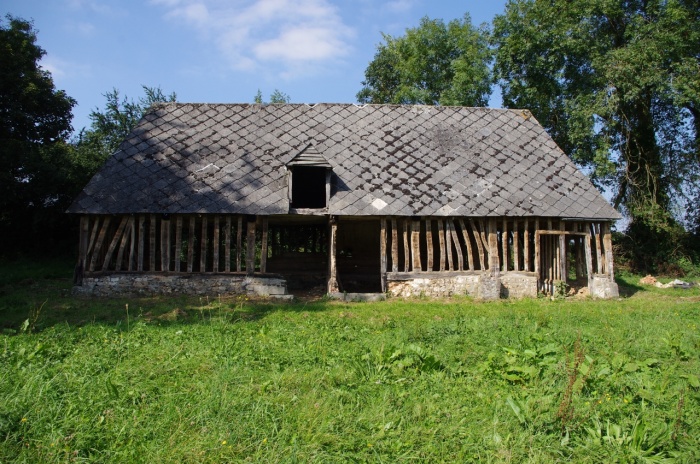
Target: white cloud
294,35
61,69
400,6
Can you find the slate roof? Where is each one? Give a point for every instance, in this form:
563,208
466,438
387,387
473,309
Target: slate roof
386,160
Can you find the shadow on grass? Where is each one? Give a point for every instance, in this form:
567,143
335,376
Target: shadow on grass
627,287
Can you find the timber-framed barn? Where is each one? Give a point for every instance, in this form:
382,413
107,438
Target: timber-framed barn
398,199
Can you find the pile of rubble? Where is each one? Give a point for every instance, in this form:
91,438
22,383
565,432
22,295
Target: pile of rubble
651,280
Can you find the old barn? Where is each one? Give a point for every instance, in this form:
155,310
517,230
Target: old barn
405,200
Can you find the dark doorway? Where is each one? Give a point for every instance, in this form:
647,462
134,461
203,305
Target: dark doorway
357,256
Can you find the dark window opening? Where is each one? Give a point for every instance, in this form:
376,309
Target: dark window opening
308,187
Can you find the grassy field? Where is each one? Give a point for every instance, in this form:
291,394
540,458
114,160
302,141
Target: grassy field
456,380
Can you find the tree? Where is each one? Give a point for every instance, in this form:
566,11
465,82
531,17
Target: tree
276,97
616,84
111,125
35,120
433,64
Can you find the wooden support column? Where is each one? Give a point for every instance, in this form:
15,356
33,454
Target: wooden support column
250,247
83,242
113,244
394,246
142,238
516,246
132,243
484,239
203,244
607,246
493,247
165,245
93,238
537,253
122,244
589,259
178,243
382,253
479,244
415,246
263,246
429,243
504,244
468,244
239,243
563,265
406,247
216,242
332,286
526,247
598,253
152,242
190,245
441,239
227,251
448,246
98,243
458,247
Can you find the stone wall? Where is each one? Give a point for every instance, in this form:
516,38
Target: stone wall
133,284
602,286
434,284
518,285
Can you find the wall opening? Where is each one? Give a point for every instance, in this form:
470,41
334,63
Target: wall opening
308,187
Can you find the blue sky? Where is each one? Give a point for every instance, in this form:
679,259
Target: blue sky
223,50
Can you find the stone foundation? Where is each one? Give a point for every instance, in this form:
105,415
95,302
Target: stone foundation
602,286
433,284
185,284
518,285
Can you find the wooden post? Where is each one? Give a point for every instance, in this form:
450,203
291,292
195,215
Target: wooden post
132,243
429,243
165,245
589,259
122,244
250,248
113,244
190,245
98,243
263,246
441,241
504,244
526,247
468,244
564,268
178,242
394,246
484,239
382,253
598,253
607,245
493,247
93,238
152,243
458,247
415,246
448,246
479,244
537,253
239,242
332,286
142,238
203,244
84,241
215,248
406,248
516,246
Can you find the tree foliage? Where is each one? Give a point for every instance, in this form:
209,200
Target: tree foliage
35,120
275,97
433,64
617,84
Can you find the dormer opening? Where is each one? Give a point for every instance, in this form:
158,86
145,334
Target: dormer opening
309,180
309,187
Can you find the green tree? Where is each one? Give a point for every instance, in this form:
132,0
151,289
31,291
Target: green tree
35,120
112,124
276,97
616,84
432,64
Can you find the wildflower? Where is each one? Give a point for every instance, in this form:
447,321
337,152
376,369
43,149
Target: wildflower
24,419
223,442
264,440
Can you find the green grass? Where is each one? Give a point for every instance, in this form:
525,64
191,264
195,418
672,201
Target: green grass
454,380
